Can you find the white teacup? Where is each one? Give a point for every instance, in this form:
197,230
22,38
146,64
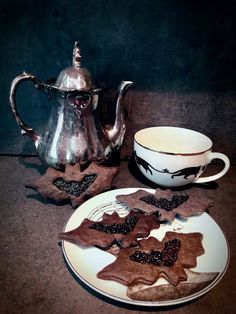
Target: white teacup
172,156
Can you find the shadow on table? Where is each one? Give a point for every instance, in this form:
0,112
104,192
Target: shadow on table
36,164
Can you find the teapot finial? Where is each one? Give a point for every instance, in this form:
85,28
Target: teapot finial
75,77
76,55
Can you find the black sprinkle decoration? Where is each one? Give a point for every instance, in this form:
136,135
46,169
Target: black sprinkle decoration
123,228
73,187
167,257
164,203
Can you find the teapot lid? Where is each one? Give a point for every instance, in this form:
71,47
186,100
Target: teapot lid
75,77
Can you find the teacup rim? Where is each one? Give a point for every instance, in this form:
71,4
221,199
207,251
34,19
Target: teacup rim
175,153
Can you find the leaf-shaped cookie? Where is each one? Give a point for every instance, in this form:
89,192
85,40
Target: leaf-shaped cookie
166,203
112,229
196,282
74,185
131,272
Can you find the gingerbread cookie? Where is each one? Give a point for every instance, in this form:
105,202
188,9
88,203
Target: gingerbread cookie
154,259
196,281
73,185
122,231
166,204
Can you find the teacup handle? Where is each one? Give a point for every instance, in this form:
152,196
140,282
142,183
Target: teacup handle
218,175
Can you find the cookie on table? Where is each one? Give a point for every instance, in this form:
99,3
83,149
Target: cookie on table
74,185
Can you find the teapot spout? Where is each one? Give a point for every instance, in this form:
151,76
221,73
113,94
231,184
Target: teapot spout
124,85
116,133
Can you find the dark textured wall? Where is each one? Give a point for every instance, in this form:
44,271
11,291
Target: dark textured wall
175,47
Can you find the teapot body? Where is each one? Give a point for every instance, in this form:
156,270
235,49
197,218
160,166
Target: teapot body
74,132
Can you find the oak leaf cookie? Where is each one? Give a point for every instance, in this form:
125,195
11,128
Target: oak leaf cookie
122,231
166,203
73,185
154,259
196,282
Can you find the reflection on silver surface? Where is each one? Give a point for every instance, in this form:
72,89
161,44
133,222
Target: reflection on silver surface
74,132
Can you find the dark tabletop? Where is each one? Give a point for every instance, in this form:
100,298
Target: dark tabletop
34,275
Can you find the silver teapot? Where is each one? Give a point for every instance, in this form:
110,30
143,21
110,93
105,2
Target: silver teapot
74,132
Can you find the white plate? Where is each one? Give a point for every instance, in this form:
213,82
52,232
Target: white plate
87,262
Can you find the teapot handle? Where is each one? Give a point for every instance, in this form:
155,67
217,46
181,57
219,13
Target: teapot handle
14,85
